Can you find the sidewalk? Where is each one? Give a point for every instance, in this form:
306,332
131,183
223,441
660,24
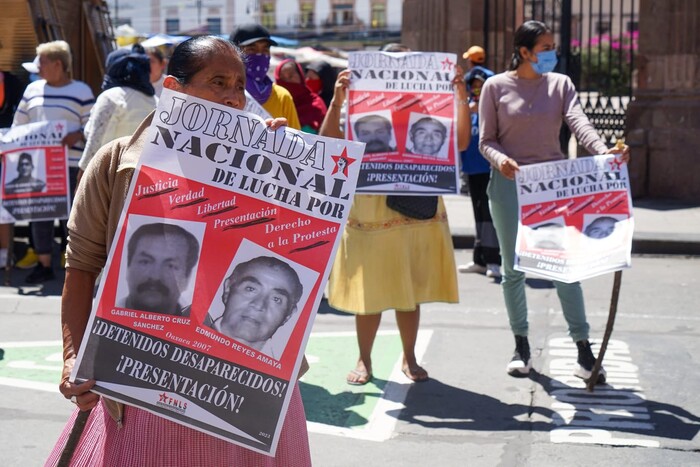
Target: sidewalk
661,227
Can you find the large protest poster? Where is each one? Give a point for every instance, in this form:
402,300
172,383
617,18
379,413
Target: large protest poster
220,259
575,218
34,173
403,107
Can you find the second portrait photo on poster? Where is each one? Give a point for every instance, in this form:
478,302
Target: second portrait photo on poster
260,298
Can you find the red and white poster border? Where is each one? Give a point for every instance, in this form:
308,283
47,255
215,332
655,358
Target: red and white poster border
246,195
34,181
402,105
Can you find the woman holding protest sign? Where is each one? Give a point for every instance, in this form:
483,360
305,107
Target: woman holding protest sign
387,260
521,112
209,68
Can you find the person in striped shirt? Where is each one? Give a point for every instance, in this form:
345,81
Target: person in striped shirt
56,96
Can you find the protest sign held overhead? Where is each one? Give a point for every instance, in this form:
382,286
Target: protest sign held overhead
575,218
402,105
34,173
219,262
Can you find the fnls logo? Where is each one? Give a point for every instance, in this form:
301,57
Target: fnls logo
168,402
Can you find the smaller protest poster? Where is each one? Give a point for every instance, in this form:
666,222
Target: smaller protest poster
575,218
34,173
218,264
402,106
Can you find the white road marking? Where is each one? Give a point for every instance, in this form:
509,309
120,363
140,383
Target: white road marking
603,416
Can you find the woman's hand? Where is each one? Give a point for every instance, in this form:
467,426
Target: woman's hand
275,123
508,168
464,121
621,149
80,394
459,85
331,122
71,139
340,91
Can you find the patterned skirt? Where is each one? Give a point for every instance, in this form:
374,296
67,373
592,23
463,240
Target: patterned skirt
146,440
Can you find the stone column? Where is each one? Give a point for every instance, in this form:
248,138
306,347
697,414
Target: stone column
442,25
663,121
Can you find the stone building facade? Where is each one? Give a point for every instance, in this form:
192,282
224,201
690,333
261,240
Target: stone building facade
283,17
663,118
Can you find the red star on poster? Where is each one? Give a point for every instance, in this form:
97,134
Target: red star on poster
447,64
59,127
342,162
615,164
163,397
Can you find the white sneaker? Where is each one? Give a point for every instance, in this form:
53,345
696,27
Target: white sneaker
493,270
471,268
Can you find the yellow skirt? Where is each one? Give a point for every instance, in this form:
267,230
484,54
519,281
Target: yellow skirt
389,261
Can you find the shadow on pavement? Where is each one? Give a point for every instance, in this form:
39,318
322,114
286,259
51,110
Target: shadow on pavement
337,409
669,421
435,404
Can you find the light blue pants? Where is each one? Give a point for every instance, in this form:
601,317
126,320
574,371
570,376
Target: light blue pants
503,201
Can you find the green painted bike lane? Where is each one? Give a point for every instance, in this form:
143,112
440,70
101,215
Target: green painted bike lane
32,365
332,405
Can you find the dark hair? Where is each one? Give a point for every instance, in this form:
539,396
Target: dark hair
328,76
138,49
25,156
372,118
414,127
526,36
273,263
394,47
161,230
192,55
128,68
596,222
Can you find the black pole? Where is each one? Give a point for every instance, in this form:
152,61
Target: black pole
565,35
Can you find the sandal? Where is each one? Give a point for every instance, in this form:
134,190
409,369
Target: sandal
358,377
417,374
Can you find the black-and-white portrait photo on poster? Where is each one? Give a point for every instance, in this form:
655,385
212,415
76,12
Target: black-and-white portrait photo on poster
549,235
25,172
603,230
159,265
428,135
376,130
260,298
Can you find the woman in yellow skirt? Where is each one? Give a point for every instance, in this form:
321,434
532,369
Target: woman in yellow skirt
390,261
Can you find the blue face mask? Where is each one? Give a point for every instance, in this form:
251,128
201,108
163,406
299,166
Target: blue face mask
546,61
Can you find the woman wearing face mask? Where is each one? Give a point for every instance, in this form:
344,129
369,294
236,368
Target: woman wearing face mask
521,113
320,78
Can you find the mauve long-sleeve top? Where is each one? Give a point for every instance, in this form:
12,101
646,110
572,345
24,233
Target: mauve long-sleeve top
521,118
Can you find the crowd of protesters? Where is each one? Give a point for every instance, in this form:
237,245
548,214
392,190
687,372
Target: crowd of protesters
398,266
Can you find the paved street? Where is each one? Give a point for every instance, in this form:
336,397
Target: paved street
470,412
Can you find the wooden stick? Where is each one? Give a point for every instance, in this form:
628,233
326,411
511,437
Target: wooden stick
73,439
608,331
